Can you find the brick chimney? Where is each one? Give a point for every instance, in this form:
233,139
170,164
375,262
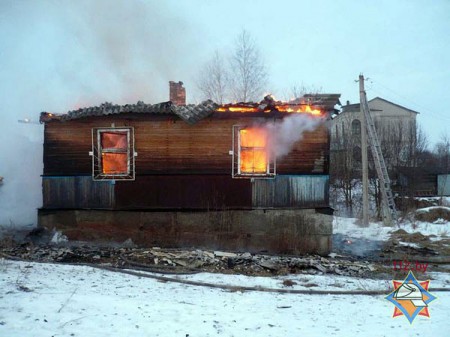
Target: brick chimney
177,93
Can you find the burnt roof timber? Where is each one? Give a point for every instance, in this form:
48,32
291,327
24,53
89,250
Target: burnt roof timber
190,113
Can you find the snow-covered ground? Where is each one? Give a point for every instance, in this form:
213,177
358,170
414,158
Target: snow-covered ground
440,229
377,231
62,300
351,227
444,201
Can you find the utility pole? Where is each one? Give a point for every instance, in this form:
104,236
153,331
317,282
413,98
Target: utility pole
364,159
371,137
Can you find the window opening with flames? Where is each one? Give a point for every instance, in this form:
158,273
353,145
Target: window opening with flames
113,154
251,155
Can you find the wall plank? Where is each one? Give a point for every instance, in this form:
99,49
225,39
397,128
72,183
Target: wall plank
169,146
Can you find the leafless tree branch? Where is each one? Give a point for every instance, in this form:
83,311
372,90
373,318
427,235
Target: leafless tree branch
249,73
214,79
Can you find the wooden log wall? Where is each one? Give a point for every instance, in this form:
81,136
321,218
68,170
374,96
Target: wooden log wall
291,192
194,192
77,193
168,145
179,166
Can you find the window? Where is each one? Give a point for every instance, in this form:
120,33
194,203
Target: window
113,154
356,127
251,156
357,157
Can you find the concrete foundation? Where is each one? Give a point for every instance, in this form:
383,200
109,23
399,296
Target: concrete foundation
278,231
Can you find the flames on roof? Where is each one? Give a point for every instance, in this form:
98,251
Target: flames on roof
316,105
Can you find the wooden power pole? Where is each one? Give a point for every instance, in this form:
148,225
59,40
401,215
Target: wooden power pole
369,136
364,158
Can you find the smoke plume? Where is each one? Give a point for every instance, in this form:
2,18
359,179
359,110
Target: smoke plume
59,55
285,134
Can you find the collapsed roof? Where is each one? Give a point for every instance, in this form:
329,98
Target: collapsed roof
192,113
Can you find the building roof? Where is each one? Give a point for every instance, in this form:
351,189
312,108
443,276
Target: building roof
356,107
398,105
326,100
350,108
192,113
323,102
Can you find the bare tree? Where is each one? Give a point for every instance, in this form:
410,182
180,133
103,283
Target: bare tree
345,163
416,174
442,151
403,146
214,79
397,141
299,90
242,76
420,146
248,71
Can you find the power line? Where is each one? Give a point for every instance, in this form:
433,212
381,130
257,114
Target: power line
421,108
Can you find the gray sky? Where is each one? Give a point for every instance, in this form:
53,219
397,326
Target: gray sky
60,55
65,54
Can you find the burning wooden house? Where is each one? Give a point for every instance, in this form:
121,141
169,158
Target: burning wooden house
243,177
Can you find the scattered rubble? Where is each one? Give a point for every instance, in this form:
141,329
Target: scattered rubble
50,246
182,261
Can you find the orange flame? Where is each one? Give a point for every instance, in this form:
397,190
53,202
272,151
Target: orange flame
298,109
238,109
253,151
114,163
290,108
114,152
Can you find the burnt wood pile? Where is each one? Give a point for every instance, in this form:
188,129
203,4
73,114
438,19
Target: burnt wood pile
190,261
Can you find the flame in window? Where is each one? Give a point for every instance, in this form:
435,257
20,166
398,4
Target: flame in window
253,151
114,163
114,152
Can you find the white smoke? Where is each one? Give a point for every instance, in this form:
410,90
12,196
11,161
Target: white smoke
59,55
283,135
21,167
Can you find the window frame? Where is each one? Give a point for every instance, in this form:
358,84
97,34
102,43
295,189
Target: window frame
236,157
356,126
97,151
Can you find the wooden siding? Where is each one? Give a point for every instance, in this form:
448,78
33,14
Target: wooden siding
291,191
184,192
76,193
66,148
167,145
194,192
176,147
179,166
